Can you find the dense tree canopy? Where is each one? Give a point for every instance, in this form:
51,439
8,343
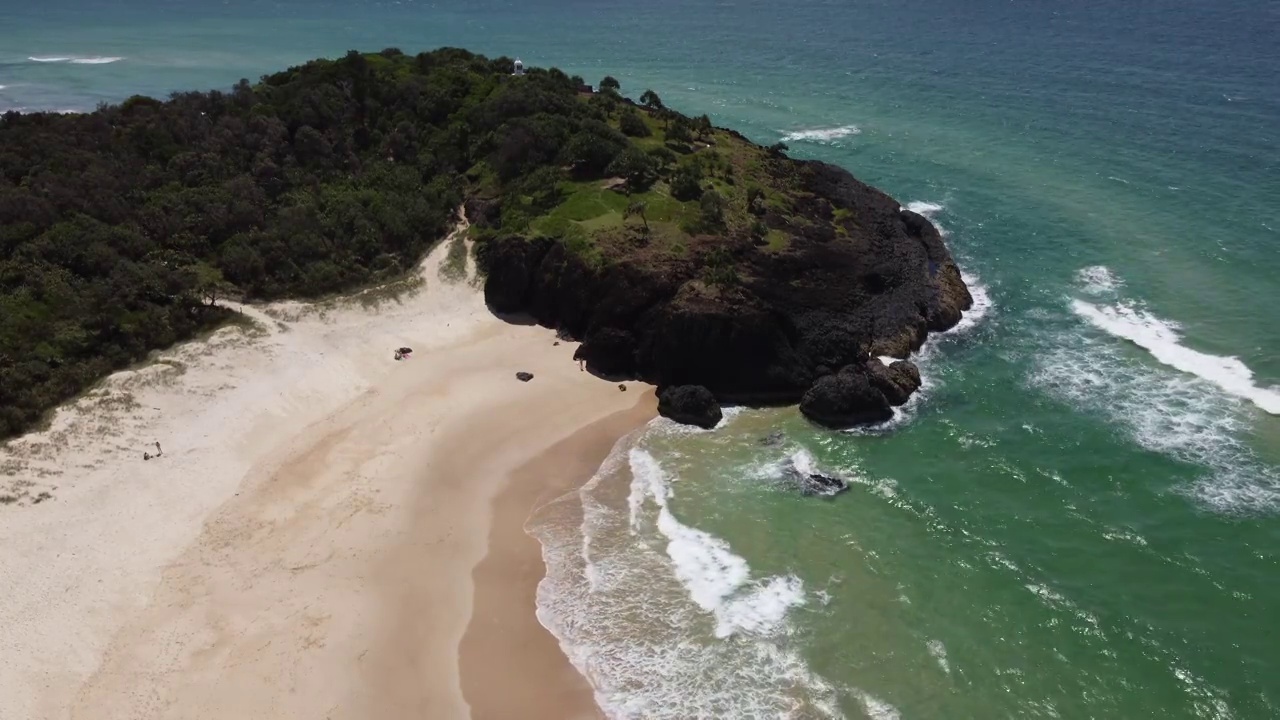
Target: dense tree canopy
119,229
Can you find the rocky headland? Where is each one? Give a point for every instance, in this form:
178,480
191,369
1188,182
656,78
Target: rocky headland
858,278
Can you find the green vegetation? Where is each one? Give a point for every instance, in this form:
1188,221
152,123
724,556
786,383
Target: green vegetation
122,230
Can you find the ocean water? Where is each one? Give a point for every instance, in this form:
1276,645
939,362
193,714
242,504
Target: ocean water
1078,517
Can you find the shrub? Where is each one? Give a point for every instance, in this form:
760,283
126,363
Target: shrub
633,125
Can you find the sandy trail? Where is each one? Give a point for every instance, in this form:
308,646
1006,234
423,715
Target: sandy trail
305,546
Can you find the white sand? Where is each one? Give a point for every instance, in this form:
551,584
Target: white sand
304,547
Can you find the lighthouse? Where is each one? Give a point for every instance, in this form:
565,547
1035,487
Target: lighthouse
518,69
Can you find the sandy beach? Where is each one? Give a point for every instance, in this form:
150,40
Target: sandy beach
329,533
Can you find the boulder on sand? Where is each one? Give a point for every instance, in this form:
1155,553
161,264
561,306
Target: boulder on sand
524,376
844,400
690,405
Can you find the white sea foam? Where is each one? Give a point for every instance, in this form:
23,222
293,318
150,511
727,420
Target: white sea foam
1161,339
1098,280
939,653
877,709
927,209
717,580
1192,406
76,60
821,135
664,619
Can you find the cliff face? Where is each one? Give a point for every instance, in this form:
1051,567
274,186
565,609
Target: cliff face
786,318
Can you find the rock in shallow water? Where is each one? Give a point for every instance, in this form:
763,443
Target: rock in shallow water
844,400
690,405
896,382
801,473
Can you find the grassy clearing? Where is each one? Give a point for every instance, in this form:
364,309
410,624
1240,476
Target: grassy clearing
596,209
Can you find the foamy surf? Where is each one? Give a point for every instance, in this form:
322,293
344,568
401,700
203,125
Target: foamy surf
1180,414
76,60
1161,338
1098,280
663,618
927,354
821,135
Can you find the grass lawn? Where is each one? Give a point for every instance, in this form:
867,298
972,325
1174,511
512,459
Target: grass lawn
596,208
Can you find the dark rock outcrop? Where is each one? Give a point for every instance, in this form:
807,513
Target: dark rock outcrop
896,382
864,277
524,376
800,473
690,405
845,400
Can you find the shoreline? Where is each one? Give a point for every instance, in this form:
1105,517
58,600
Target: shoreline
308,542
505,638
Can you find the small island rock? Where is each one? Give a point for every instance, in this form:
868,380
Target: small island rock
690,405
524,376
845,400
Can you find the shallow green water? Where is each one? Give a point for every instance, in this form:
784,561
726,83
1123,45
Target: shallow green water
1077,518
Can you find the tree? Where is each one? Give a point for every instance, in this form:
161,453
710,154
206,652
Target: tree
712,206
686,181
637,209
651,100
632,124
702,125
637,167
610,84
678,130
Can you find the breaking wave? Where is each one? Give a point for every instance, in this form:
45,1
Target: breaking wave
663,618
1098,280
1159,337
822,135
1197,415
76,60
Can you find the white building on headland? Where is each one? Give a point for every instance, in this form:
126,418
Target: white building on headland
519,68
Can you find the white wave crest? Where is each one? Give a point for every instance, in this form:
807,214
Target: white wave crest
717,580
664,620
821,135
927,209
1098,280
76,60
1161,339
939,653
1179,414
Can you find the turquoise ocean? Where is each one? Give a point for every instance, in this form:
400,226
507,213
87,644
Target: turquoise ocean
1079,516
